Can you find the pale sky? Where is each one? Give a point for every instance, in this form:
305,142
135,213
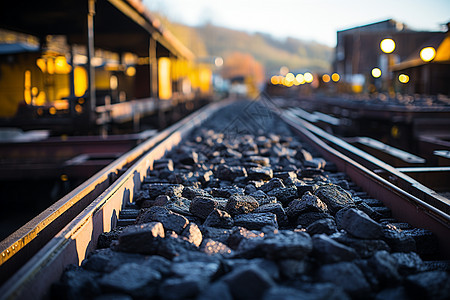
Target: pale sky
304,19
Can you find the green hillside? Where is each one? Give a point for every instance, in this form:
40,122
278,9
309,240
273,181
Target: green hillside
272,53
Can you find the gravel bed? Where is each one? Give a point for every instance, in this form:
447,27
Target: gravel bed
244,210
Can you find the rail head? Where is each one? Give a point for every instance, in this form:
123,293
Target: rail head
404,205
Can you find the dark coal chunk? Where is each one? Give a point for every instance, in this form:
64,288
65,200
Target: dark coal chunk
179,205
319,291
161,200
211,247
408,263
346,275
191,192
294,268
202,206
262,198
263,173
133,279
286,244
284,195
334,197
143,238
175,190
260,160
114,296
397,293
76,283
429,285
426,242
330,251
250,189
197,269
308,203
275,208
192,234
398,240
238,234
156,189
219,218
272,184
308,218
188,158
241,204
181,288
171,247
248,283
358,224
230,173
326,226
170,220
384,267
141,196
217,234
226,192
256,221
217,290
163,163
303,187
105,238
364,248
369,211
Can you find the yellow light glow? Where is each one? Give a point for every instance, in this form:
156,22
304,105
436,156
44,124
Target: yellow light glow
326,78
387,45
27,87
64,177
80,81
78,108
288,83
335,77
218,62
40,62
403,78
290,77
61,65
300,78
52,110
376,72
165,83
113,82
284,70
296,82
274,80
131,71
308,77
427,54
50,66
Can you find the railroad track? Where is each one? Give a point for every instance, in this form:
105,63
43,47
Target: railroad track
283,174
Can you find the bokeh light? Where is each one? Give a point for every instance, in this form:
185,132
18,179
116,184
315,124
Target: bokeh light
376,72
387,45
427,54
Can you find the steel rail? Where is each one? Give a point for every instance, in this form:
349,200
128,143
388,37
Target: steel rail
78,238
405,206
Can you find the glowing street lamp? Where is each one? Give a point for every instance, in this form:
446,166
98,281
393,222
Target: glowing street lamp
387,46
427,54
403,78
376,72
